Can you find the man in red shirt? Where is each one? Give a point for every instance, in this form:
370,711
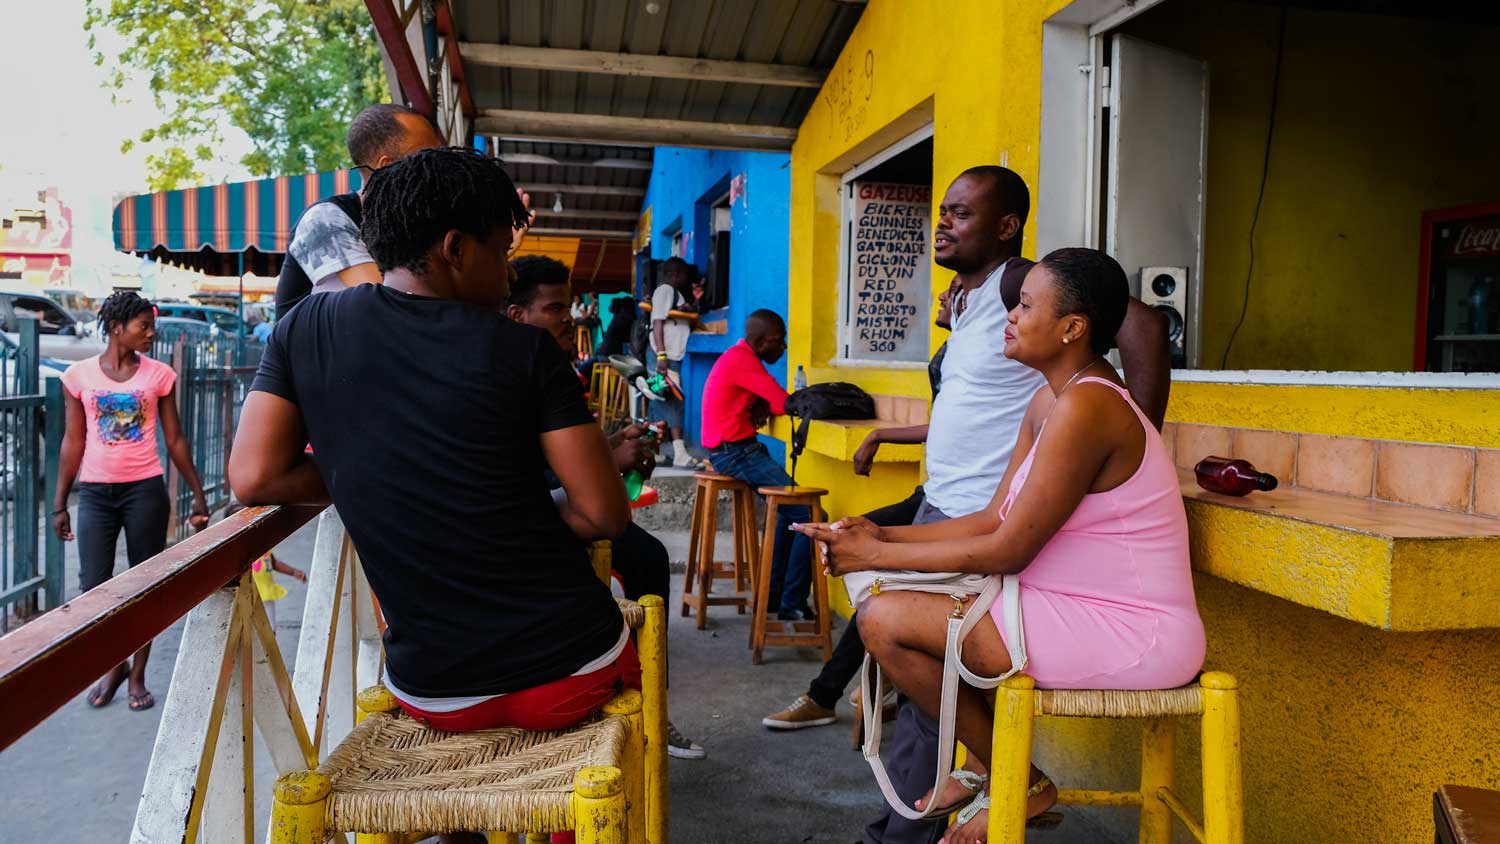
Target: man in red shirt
737,398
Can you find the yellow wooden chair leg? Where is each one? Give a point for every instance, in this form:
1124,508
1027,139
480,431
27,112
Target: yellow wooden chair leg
652,644
538,838
497,837
380,838
627,704
299,813
599,806
1010,759
1158,747
1223,801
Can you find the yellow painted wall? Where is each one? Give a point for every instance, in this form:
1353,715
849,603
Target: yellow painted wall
1347,730
1445,417
1380,118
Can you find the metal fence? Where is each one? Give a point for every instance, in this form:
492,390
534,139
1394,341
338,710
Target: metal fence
21,400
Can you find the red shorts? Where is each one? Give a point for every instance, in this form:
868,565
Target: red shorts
553,706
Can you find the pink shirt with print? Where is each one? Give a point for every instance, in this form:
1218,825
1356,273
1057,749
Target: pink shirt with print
120,434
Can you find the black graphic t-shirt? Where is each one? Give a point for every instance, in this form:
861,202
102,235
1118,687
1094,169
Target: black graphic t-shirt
425,417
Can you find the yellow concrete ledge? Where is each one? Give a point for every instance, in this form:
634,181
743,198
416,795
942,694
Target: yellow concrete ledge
839,439
1389,566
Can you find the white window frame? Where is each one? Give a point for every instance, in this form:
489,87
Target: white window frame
846,233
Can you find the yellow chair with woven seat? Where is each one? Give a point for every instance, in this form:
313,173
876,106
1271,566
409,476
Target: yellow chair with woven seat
1214,699
392,776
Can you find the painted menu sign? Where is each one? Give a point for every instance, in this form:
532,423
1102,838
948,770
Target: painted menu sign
890,272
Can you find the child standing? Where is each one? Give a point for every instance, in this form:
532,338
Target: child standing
114,403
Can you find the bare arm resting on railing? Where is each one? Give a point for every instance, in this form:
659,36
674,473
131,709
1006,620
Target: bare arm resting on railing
268,464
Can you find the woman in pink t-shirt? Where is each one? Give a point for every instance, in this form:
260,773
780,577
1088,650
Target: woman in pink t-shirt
114,403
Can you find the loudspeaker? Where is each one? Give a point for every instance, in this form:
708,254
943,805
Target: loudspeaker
1166,289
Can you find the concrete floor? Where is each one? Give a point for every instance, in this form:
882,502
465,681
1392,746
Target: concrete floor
78,775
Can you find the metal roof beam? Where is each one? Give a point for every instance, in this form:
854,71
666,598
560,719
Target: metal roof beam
549,161
544,125
535,188
629,64
585,233
587,214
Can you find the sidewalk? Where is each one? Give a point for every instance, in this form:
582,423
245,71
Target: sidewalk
78,776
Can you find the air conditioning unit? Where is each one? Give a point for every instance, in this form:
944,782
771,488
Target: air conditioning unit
1166,289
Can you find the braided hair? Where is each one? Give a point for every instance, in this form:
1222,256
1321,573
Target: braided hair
412,203
121,307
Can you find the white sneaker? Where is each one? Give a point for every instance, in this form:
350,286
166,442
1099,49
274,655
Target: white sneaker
680,457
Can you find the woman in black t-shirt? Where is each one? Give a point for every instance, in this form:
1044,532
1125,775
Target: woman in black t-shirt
431,418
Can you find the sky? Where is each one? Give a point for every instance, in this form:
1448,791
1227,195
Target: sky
59,128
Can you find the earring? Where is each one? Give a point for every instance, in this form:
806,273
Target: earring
1066,341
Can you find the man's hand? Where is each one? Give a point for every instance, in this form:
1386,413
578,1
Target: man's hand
518,236
633,450
661,365
864,456
760,412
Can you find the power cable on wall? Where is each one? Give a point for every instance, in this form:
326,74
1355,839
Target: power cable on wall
1260,196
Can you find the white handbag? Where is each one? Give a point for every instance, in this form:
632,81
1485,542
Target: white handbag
1007,588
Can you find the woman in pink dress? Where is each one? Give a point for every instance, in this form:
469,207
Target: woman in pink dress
1089,515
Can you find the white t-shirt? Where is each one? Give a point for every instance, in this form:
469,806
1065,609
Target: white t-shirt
327,243
675,332
976,416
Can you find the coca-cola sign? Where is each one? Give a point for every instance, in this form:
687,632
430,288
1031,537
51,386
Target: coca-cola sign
1476,239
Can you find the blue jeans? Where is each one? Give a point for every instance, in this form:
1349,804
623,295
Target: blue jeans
670,411
791,561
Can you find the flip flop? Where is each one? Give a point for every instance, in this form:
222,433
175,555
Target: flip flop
141,702
975,783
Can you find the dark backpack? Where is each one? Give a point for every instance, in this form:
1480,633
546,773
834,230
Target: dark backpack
293,285
836,400
640,337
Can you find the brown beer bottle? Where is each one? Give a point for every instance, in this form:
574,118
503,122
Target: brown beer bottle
1228,476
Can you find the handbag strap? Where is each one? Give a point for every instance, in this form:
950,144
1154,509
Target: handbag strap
1008,589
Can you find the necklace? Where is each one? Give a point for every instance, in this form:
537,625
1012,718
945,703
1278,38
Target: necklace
1070,381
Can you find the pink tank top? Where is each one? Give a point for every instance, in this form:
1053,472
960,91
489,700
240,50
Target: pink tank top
1117,574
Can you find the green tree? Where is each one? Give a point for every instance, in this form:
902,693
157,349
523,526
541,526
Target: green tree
290,73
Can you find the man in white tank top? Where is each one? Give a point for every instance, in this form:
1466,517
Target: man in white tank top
975,419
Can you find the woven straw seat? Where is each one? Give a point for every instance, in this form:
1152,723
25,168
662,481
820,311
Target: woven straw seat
1114,703
635,614
392,774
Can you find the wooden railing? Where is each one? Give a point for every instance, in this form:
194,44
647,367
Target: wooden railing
230,677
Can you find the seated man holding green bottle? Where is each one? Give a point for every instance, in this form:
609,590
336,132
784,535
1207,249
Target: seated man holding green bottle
541,296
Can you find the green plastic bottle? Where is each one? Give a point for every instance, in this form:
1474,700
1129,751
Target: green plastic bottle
634,480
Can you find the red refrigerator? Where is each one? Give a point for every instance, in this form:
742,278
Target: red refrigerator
1458,299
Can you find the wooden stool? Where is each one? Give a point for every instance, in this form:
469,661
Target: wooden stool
768,631
702,568
1214,700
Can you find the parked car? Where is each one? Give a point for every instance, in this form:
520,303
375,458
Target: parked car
62,337
82,306
221,318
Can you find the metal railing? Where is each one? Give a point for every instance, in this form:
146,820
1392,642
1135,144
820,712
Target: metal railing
230,677
22,577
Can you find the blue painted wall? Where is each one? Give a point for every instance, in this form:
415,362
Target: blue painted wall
684,185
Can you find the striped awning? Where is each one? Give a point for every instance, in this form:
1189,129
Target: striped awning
229,217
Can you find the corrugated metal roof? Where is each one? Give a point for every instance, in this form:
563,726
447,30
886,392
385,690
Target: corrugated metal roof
754,34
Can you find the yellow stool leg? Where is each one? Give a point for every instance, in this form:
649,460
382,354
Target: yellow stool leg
653,652
1010,759
496,837
599,806
299,813
538,838
380,838
1158,746
602,556
628,705
1223,801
